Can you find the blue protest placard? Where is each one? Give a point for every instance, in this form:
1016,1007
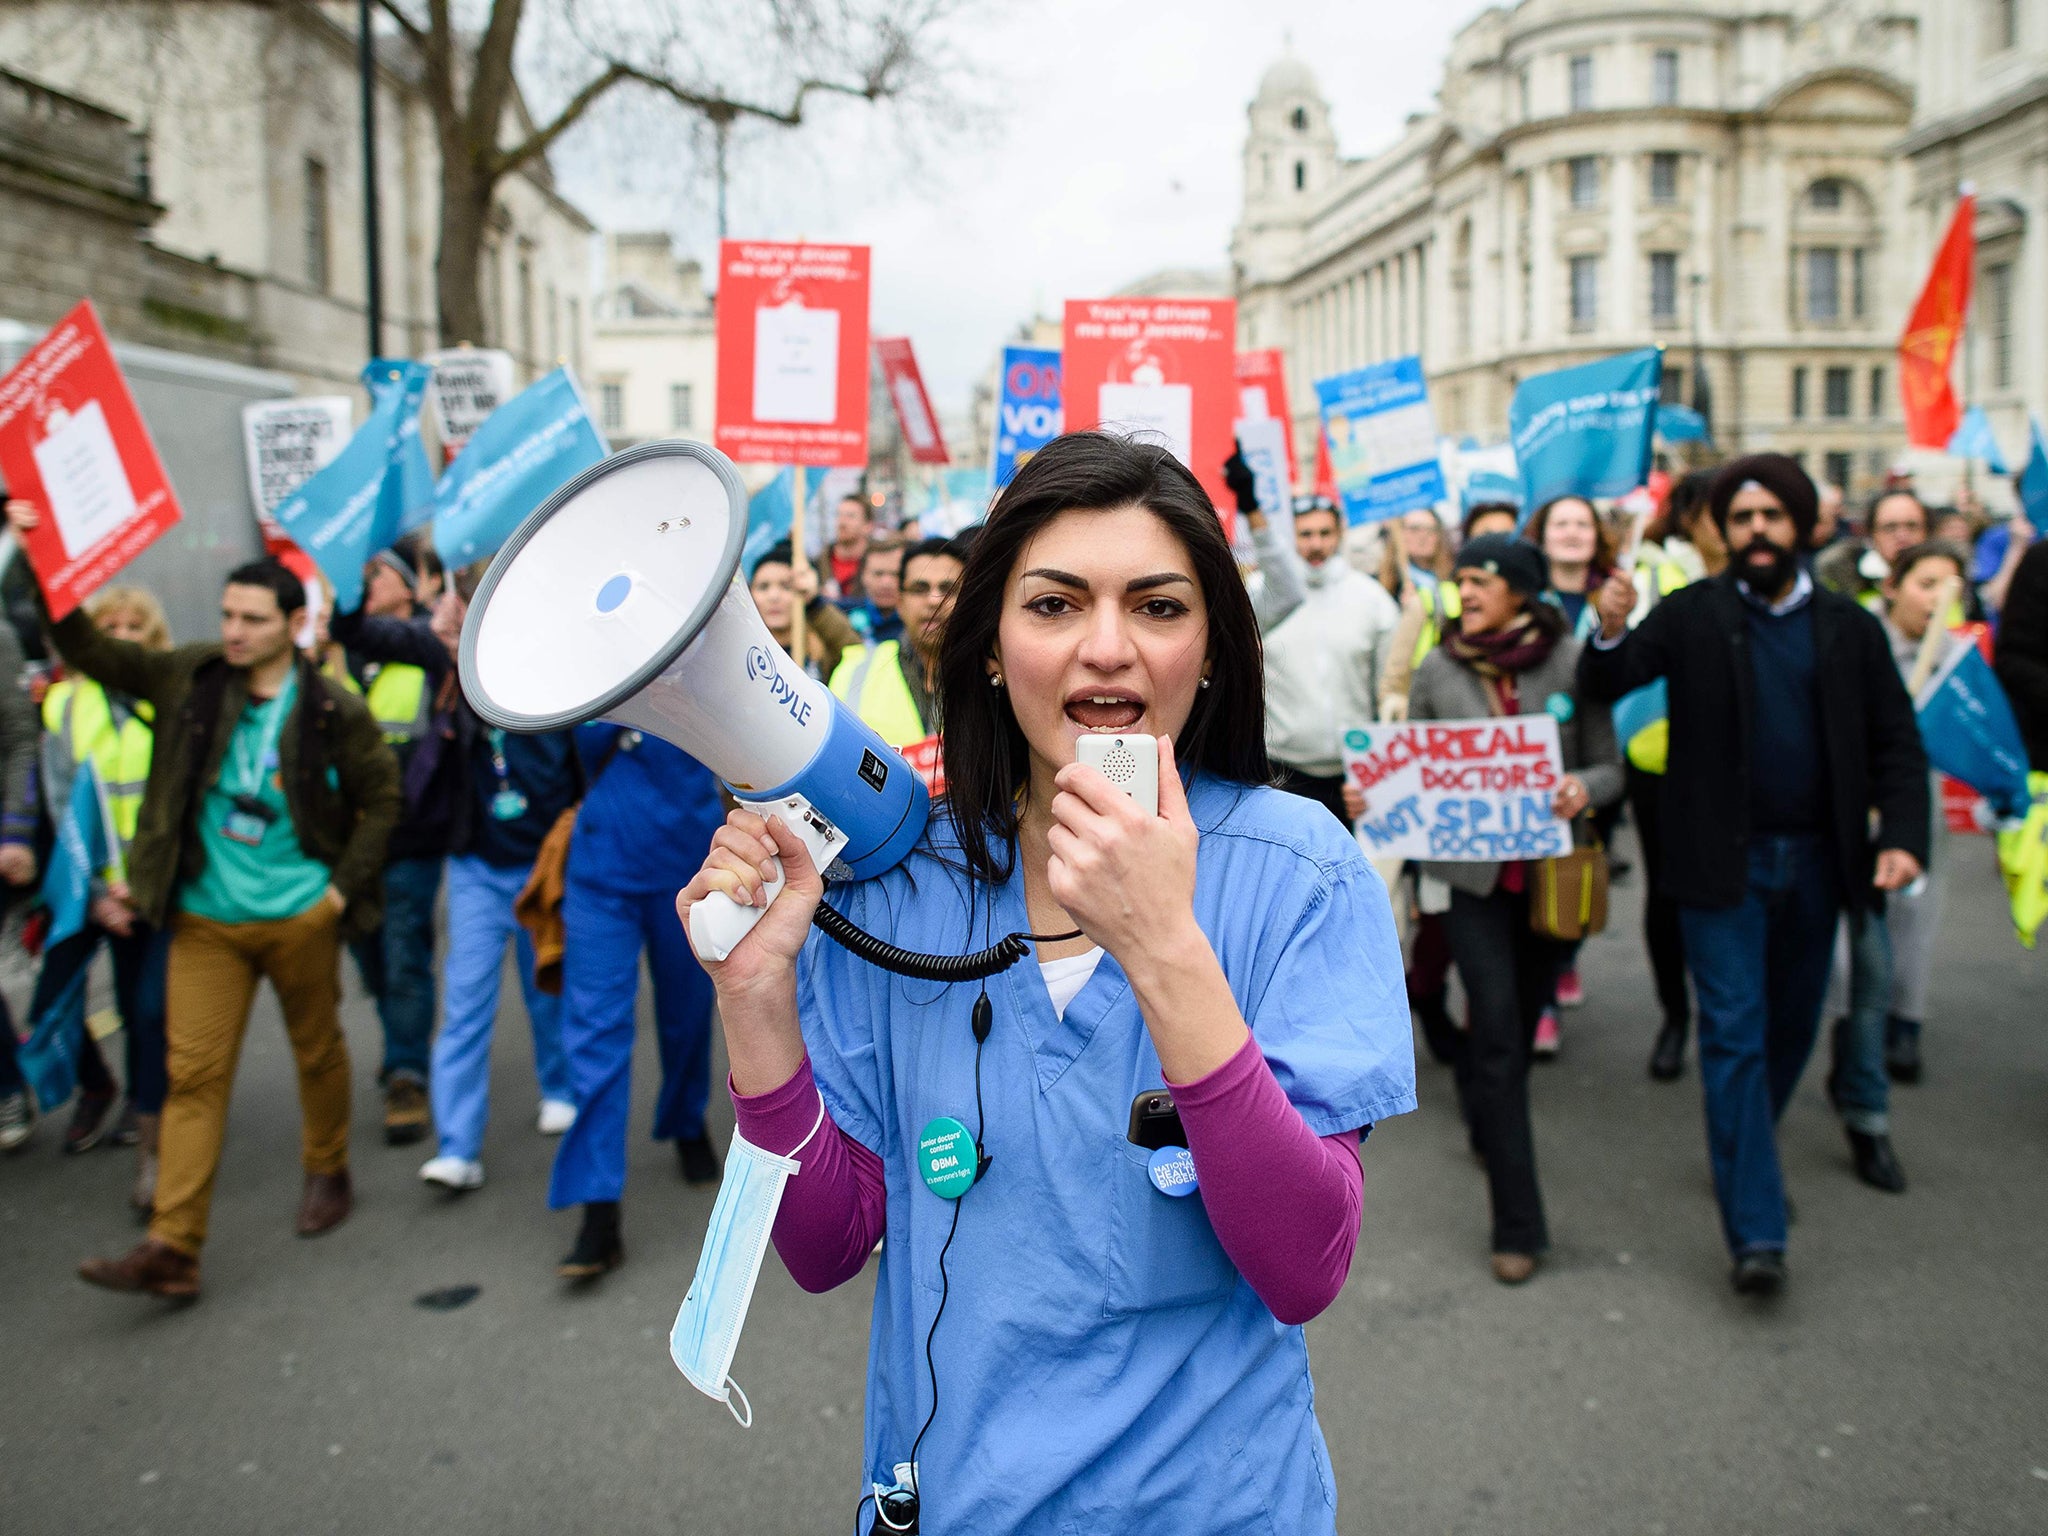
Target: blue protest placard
526,450
1969,731
345,514
1586,431
2033,486
409,487
1381,440
1681,424
1028,412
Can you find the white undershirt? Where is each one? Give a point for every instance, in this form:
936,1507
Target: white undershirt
1064,979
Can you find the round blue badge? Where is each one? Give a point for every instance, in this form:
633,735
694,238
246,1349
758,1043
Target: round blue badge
1173,1171
1559,707
946,1159
1358,741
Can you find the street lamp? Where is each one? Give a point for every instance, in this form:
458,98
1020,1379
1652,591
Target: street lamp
373,273
1702,393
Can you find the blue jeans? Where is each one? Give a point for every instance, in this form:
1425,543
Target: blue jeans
480,925
604,931
1760,970
1858,1085
397,966
139,961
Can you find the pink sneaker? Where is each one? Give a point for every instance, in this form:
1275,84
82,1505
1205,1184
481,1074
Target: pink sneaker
1547,1040
1570,992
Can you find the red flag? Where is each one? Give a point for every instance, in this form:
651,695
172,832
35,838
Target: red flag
1933,331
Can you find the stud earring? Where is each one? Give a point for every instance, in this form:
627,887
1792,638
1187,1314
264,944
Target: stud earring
1205,682
995,679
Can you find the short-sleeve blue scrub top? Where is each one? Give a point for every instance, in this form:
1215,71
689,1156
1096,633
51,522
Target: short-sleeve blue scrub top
1101,1364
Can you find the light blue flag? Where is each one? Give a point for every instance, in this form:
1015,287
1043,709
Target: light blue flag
2033,485
409,487
526,450
1381,440
350,509
1586,431
1969,731
1029,413
770,512
1491,488
1681,424
1974,439
49,1057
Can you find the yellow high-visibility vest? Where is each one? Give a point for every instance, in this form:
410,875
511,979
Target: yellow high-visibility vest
870,680
1432,622
78,712
399,701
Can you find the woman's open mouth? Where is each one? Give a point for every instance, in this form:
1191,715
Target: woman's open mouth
1110,709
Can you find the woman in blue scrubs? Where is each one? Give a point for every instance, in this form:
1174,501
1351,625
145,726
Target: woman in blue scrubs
1113,1354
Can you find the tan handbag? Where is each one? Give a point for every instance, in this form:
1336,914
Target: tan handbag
1568,894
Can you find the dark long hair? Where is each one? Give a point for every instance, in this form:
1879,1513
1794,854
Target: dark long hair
988,763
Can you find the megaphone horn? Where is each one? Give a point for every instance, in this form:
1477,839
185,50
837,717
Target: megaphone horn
620,599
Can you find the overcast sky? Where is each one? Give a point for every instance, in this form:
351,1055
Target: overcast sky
1109,147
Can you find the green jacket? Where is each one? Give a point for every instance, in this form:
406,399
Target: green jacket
340,779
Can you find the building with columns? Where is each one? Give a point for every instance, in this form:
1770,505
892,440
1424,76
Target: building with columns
1719,177
1982,118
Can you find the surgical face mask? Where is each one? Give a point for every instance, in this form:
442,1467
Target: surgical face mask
707,1329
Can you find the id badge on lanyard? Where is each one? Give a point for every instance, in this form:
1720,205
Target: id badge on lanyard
250,818
508,804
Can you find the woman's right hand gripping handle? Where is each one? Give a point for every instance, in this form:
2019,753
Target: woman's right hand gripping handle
756,982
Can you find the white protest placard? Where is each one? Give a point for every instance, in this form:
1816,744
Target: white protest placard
1150,412
1459,791
288,442
84,481
1263,441
796,364
469,383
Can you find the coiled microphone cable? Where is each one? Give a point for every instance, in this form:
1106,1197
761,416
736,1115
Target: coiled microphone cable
977,966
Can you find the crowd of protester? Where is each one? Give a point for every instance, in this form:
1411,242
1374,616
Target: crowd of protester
1730,673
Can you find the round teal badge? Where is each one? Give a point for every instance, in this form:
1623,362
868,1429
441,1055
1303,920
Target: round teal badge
1173,1171
1358,741
1559,707
946,1158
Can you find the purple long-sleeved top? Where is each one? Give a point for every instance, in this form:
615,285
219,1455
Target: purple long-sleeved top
1283,1201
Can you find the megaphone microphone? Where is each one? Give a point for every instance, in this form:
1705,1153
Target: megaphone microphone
620,599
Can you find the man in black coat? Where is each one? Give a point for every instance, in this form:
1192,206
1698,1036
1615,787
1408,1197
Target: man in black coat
1789,726
2023,651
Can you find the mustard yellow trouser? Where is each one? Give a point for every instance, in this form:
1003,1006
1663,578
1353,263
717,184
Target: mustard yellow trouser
214,971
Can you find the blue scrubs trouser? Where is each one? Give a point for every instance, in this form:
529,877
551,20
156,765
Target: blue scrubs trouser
603,933
1760,969
480,924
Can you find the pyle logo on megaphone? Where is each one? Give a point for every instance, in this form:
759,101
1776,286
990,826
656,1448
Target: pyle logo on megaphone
761,668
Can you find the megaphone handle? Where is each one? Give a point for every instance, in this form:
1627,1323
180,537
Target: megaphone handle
718,923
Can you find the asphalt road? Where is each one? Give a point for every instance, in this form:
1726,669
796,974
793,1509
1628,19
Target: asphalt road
1901,1385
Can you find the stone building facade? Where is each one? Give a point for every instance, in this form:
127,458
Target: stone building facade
1719,177
654,350
251,151
1983,118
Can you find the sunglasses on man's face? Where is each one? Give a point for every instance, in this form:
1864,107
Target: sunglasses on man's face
927,589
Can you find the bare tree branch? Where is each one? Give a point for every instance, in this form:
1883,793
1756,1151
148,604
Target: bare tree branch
412,29
491,81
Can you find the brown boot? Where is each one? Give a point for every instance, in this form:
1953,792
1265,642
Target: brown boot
405,1112
143,1195
328,1199
150,1266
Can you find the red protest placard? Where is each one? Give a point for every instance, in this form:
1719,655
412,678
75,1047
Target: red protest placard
1163,369
72,442
921,432
1262,391
793,353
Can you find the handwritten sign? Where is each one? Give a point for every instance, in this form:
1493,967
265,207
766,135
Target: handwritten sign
1459,790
